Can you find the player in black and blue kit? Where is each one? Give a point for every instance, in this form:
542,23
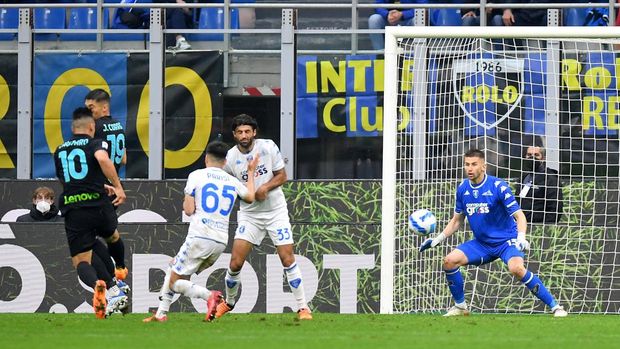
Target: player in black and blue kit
112,132
83,167
499,228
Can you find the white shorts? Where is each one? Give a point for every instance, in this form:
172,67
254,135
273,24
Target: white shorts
253,229
196,255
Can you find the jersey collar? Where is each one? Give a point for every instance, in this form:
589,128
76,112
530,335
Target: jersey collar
479,185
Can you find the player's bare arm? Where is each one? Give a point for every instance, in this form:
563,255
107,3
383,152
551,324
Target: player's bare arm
522,243
279,178
251,196
453,225
107,167
519,217
189,205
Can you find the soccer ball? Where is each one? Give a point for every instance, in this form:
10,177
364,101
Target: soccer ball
422,222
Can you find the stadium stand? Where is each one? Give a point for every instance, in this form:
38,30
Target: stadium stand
9,19
49,18
213,18
83,18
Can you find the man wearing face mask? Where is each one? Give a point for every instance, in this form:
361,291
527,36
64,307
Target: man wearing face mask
540,195
43,207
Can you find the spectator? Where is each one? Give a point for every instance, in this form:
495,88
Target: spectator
177,18
540,195
471,17
133,18
43,208
386,16
523,16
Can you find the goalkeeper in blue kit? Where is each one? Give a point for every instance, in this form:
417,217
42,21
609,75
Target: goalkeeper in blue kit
499,228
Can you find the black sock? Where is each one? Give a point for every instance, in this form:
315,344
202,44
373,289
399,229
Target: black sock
102,271
102,251
117,251
87,274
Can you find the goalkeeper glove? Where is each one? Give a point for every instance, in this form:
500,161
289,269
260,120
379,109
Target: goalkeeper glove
432,242
522,244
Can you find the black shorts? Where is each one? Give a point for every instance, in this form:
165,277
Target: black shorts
84,224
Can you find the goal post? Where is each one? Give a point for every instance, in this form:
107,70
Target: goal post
502,90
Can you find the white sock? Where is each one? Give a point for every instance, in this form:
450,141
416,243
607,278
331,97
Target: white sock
165,296
232,281
293,275
189,289
112,292
461,305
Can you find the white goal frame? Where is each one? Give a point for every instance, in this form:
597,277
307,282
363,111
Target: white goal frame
392,35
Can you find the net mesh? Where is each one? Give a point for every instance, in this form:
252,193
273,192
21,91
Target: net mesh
503,96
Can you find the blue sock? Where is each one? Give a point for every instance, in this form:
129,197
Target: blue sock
456,284
533,283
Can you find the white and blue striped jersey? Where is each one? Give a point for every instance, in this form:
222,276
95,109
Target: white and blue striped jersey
214,192
488,207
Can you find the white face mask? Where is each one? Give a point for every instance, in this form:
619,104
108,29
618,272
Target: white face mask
43,206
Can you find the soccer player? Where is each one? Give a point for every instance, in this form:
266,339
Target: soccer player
491,210
210,194
83,167
111,131
268,214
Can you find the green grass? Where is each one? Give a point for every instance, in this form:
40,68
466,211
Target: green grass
246,331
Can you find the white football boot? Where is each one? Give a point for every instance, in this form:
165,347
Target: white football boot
457,311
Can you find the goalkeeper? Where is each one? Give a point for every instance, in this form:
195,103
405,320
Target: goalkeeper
491,210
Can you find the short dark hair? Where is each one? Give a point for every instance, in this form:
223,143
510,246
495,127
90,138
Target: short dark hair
542,149
474,153
244,119
98,95
82,112
217,150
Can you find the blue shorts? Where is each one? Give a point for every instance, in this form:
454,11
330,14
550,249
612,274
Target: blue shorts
479,253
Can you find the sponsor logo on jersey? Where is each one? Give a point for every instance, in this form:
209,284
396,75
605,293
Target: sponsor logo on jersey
260,170
466,193
73,199
487,193
478,207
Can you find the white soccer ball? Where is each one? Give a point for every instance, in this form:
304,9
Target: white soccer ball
422,222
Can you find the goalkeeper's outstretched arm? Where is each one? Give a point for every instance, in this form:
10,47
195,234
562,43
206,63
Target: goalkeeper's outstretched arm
453,225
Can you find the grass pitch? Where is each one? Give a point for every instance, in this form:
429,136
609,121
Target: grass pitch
249,331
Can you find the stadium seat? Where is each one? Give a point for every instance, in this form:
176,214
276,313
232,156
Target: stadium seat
213,18
575,17
83,18
9,19
445,17
49,18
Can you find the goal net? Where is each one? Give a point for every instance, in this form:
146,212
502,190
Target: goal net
502,91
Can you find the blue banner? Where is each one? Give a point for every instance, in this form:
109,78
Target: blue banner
60,83
339,97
